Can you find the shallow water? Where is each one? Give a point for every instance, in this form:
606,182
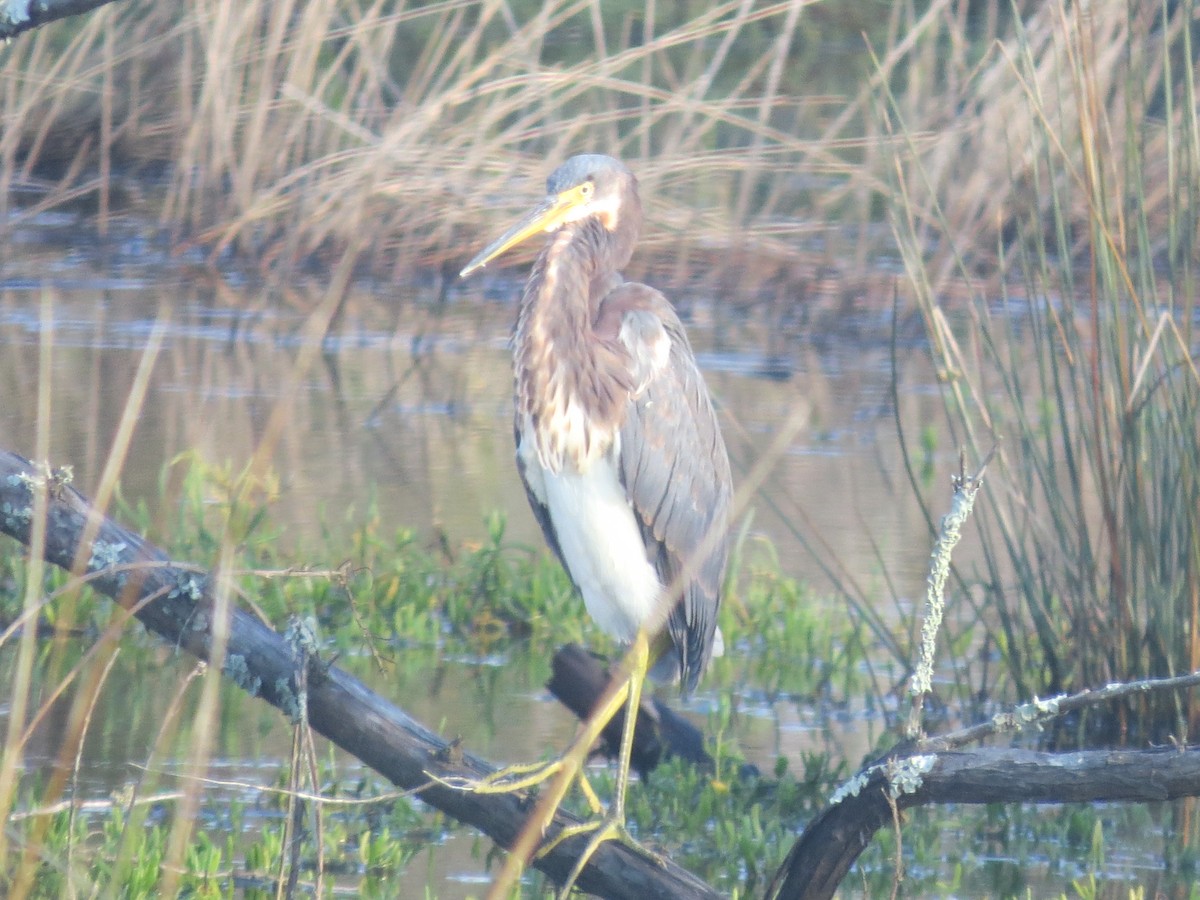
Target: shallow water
409,401
406,410
408,407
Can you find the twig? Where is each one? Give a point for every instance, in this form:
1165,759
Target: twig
93,806
965,488
1037,712
18,17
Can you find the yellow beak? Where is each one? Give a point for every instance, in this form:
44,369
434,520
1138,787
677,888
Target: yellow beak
547,217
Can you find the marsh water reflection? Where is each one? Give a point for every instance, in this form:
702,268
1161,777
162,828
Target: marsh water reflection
405,414
409,407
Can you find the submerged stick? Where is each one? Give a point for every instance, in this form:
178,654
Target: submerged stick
173,600
821,858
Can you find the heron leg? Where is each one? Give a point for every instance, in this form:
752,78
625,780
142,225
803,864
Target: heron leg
625,689
612,825
522,777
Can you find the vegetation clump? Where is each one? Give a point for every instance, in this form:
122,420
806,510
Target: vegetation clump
1039,164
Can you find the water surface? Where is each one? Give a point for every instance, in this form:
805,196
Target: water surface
405,413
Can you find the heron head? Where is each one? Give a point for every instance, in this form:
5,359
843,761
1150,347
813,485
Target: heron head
584,186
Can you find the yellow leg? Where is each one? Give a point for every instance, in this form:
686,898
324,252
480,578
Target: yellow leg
624,688
508,780
612,826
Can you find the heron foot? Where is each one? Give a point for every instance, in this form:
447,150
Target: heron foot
624,690
521,777
611,827
509,780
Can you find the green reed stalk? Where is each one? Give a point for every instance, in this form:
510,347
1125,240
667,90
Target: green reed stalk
1076,356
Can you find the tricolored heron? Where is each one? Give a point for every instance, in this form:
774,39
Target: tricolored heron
617,441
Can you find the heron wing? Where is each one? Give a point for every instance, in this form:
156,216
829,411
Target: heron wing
674,467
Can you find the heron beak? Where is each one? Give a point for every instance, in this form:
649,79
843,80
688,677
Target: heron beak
549,216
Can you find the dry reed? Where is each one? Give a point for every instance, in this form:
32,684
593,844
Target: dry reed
287,128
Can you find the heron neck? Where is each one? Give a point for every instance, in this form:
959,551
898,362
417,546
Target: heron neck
569,280
564,374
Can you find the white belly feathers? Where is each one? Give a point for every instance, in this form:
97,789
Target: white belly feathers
598,536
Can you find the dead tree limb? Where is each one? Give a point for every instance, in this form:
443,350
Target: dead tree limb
1040,712
17,16
578,679
176,603
925,770
832,841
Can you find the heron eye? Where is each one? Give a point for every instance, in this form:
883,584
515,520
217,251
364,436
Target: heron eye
586,188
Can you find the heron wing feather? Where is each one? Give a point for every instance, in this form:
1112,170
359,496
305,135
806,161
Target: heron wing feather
675,469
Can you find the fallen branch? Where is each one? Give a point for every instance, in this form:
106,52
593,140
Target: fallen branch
17,16
831,843
578,680
174,602
924,770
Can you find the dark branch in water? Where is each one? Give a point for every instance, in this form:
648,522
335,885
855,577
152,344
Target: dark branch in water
922,770
175,602
579,680
17,16
820,859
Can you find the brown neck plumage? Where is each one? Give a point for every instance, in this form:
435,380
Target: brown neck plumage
571,385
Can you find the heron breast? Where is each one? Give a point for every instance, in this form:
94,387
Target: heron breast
599,538
567,437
